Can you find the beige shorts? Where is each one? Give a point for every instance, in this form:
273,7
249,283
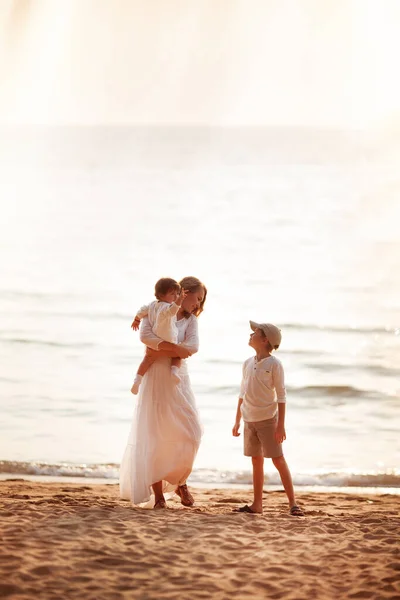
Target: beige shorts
259,439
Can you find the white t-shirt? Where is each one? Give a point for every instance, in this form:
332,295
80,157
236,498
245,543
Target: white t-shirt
263,386
163,317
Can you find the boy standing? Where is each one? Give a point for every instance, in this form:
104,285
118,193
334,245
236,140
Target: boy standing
262,404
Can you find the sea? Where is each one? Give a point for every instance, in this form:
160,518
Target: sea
297,227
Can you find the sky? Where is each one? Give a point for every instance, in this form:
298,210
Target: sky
320,63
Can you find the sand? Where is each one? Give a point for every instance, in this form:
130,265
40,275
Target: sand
64,540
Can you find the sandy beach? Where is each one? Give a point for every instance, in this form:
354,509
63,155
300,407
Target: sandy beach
64,540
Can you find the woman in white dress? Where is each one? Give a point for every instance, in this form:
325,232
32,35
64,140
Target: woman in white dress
166,431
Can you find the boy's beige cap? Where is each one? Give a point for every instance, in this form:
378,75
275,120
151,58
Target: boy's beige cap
272,332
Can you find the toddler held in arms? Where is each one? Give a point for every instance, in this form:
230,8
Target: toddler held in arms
162,313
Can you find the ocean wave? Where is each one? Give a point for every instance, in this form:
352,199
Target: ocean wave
110,471
346,391
311,391
92,471
15,294
26,341
340,328
387,478
375,369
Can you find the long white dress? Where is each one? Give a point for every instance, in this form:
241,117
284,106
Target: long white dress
165,433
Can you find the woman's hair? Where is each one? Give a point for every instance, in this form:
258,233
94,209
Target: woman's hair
192,284
165,285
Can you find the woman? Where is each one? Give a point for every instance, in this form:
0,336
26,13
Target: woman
166,431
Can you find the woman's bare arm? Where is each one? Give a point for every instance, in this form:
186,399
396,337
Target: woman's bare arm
171,350
156,347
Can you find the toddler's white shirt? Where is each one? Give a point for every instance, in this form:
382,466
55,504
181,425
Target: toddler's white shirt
263,386
163,315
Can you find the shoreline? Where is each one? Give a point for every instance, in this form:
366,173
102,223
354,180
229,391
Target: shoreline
395,491
79,540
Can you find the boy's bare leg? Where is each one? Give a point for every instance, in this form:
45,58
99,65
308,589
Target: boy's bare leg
286,478
158,495
175,366
258,483
142,370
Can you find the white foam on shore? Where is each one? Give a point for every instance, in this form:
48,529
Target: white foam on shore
202,485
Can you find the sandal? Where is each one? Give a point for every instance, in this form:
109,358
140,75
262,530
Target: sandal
160,503
247,509
296,511
184,494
